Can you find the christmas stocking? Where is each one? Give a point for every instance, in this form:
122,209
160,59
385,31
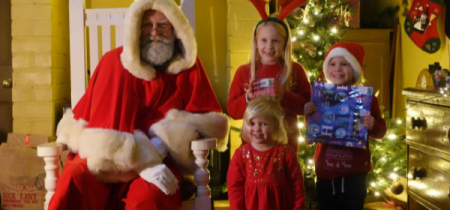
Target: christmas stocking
420,24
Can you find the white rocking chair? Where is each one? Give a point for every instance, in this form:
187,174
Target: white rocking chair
81,18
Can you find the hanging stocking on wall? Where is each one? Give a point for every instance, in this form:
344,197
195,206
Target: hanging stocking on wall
420,24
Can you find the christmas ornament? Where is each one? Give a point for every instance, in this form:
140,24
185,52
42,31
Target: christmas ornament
420,24
334,21
397,188
312,53
347,17
306,12
308,47
298,13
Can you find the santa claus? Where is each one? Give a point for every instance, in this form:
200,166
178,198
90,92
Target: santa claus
129,135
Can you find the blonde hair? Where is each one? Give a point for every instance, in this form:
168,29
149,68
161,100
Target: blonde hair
286,75
268,107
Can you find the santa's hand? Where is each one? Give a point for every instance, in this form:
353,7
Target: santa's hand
162,177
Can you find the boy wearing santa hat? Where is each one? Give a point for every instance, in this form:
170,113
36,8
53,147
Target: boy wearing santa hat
341,171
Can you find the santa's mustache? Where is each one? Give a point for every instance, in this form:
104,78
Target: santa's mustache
151,39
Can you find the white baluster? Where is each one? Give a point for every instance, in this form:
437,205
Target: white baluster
51,153
201,176
51,178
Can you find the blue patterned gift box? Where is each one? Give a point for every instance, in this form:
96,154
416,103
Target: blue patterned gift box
337,120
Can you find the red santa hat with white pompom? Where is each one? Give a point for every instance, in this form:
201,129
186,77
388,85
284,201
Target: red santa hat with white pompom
352,52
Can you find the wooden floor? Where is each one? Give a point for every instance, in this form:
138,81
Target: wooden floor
222,205
225,205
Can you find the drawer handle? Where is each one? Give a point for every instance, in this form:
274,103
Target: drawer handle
418,123
418,173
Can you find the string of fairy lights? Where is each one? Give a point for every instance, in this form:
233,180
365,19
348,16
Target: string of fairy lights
384,175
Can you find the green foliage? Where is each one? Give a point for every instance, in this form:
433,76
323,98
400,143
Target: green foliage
313,38
388,157
305,153
215,190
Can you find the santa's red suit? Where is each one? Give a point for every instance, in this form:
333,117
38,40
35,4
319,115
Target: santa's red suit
127,103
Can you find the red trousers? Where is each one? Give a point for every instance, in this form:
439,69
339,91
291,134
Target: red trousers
77,189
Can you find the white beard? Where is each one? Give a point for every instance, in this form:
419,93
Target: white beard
157,53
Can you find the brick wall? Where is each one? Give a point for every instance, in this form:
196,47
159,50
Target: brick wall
41,78
242,19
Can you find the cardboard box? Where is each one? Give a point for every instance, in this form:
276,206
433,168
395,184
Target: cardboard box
22,174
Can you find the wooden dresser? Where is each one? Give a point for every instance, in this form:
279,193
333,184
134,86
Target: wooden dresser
428,140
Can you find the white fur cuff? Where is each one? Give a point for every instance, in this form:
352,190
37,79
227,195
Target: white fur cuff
108,150
69,130
180,128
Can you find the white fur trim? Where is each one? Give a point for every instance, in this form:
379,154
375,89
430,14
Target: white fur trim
177,137
115,151
179,128
69,130
107,150
342,52
210,125
130,56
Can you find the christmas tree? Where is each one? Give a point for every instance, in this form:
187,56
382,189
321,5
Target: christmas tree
315,27
388,157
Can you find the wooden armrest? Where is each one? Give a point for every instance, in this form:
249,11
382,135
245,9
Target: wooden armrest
204,144
50,149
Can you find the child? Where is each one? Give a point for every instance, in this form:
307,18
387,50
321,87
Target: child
272,58
265,174
344,187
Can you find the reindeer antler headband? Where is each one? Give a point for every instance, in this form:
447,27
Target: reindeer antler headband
287,6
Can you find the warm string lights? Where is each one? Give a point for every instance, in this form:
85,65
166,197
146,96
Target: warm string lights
315,27
388,156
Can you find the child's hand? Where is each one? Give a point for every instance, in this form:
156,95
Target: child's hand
368,121
279,92
251,91
309,108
